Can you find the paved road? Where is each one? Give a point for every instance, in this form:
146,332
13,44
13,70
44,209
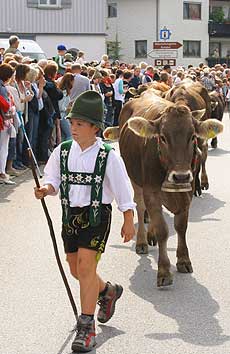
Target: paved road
192,317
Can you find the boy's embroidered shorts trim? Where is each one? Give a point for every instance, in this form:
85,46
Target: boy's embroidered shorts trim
79,234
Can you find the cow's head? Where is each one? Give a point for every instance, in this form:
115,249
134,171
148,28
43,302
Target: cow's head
176,131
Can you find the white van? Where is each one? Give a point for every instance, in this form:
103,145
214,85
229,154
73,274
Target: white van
27,47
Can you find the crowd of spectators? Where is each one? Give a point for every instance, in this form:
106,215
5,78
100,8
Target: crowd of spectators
35,97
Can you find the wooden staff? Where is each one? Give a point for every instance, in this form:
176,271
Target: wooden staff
52,234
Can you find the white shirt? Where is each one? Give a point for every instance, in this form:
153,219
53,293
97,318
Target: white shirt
117,95
177,81
40,100
81,84
116,184
15,95
80,61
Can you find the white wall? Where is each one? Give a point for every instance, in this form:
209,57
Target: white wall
92,45
193,30
137,21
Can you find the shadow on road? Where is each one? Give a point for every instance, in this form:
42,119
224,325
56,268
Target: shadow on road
204,206
199,210
188,303
6,190
107,332
218,152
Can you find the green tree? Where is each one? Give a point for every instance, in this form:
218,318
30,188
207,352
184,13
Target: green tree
114,48
217,15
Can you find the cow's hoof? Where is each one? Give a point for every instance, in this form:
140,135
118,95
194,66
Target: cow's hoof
184,267
197,192
164,279
214,146
142,248
205,186
152,239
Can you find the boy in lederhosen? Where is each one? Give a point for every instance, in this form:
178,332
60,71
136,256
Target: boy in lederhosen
90,174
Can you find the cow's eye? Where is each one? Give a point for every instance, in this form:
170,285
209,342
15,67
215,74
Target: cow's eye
163,139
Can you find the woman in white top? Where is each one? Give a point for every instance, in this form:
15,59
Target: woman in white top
119,95
7,112
81,58
95,83
25,95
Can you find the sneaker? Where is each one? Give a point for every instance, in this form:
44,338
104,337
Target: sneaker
108,301
10,183
85,337
6,180
13,172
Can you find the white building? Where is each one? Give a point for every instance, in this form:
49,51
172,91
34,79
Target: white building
75,23
219,28
136,24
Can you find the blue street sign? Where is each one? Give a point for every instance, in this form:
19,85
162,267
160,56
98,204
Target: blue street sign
165,34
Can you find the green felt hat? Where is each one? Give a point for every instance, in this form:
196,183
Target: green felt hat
88,106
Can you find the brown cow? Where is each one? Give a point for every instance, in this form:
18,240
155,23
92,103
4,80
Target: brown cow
195,96
159,149
159,88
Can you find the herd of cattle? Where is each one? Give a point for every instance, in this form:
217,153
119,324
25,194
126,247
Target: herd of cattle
163,139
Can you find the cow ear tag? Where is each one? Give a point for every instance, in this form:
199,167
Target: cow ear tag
143,132
211,134
214,129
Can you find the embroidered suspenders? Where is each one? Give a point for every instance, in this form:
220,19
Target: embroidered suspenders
95,180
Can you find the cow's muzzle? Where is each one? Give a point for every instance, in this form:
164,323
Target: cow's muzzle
180,177
178,181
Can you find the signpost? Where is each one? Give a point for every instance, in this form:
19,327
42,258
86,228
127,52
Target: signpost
162,62
165,33
166,45
160,53
165,53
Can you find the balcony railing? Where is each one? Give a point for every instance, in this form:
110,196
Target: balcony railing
213,61
219,29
